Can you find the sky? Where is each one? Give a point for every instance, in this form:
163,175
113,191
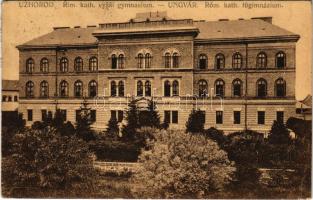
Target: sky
21,23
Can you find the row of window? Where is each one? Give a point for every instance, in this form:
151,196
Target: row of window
64,63
171,88
9,98
237,61
170,117
170,61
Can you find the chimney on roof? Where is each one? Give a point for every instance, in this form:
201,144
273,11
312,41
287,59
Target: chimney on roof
61,27
221,20
241,19
91,26
76,26
266,19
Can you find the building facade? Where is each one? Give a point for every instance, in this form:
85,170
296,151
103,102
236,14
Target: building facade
240,73
10,93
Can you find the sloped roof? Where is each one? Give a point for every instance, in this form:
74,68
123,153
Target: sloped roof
10,85
307,101
209,30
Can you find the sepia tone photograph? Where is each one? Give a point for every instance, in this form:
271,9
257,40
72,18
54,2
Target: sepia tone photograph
156,99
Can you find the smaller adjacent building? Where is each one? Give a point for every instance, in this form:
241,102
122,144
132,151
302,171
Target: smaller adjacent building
10,94
304,108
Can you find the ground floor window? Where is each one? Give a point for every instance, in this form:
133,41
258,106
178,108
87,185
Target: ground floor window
280,116
236,117
171,116
117,114
261,117
63,112
219,117
93,115
29,115
43,115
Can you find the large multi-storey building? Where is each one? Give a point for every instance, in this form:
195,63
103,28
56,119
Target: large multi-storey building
240,73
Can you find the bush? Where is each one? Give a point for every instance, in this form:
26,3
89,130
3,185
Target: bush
279,134
195,123
216,135
181,165
46,159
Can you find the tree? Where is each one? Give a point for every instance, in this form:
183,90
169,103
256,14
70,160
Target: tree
216,135
132,120
46,159
279,134
181,165
195,123
113,128
150,118
84,121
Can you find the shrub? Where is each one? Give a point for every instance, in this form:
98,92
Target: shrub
279,134
181,165
216,135
195,123
113,128
46,159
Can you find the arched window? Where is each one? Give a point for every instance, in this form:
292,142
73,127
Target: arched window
114,61
113,89
167,62
139,88
175,88
44,65
261,60
280,87
280,60
93,64
147,88
261,88
63,65
30,65
175,60
78,64
120,88
64,89
219,88
203,61
147,60
203,88
167,88
44,89
237,88
29,89
92,88
219,61
237,61
140,60
78,89
121,60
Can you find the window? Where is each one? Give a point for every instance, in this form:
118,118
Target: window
148,89
203,61
114,61
120,88
139,88
261,60
4,98
63,113
140,60
167,63
280,60
219,117
121,60
10,98
78,89
219,61
280,87
236,117
113,89
148,60
92,88
117,115
202,117
237,61
167,89
64,89
30,65
219,88
113,114
167,116
15,98
174,117
93,64
63,65
280,116
261,88
29,89
237,88
175,60
78,64
44,89
44,65
203,88
29,115
261,117
43,115
175,88
78,115
93,115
